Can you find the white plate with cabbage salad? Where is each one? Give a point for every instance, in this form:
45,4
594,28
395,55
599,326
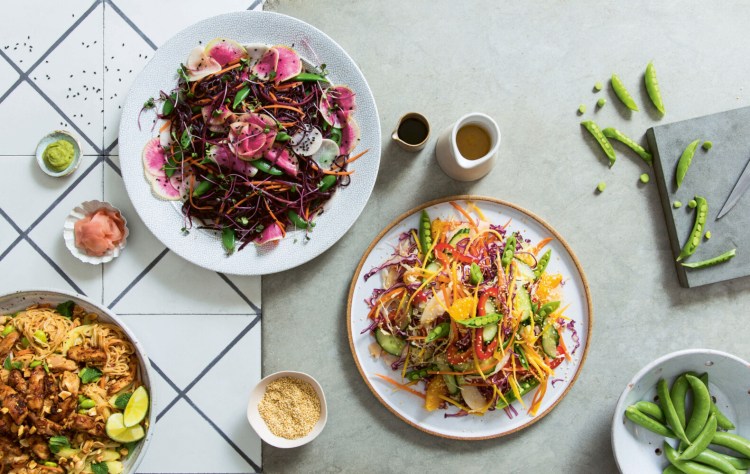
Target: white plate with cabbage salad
469,317
76,385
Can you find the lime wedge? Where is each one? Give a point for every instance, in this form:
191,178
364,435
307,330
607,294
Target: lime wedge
117,431
137,407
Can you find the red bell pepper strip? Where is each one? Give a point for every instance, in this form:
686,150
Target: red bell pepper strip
441,248
482,353
455,357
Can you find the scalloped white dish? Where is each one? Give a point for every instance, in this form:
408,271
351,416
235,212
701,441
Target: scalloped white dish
165,218
78,213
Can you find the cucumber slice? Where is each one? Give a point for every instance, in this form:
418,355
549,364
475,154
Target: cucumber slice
459,236
525,386
524,271
390,343
550,340
489,332
433,267
450,380
523,302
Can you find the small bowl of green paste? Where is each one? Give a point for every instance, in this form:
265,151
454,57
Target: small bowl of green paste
58,153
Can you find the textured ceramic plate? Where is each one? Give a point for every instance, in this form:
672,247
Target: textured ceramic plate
22,299
410,408
639,451
165,219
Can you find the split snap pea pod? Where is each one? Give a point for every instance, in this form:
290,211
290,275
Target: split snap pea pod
724,422
669,412
542,265
241,95
701,213
425,233
684,163
652,87
283,137
702,440
713,459
481,321
701,407
298,221
641,419
615,134
622,93
732,441
651,409
266,167
228,238
326,183
594,130
202,188
509,251
545,310
309,76
726,256
475,274
687,467
439,331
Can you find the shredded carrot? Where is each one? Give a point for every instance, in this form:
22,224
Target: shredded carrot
280,106
23,352
165,127
233,65
190,195
338,173
400,385
283,231
505,226
565,349
289,85
465,214
541,245
355,157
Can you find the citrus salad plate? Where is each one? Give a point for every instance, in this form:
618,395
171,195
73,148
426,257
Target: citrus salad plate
469,317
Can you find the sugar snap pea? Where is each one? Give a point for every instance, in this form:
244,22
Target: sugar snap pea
712,458
298,221
509,251
308,76
651,409
594,130
652,87
327,182
439,331
639,418
738,463
622,93
240,96
702,440
425,233
684,163
701,213
283,137
475,274
615,134
671,470
678,394
712,261
266,167
480,321
732,441
724,422
228,238
669,412
701,407
542,265
688,467
547,309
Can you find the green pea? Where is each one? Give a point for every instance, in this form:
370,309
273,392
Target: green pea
645,178
202,187
622,93
594,130
169,104
677,204
732,441
509,251
713,459
601,186
298,221
598,86
708,235
707,145
480,321
308,76
687,467
601,102
677,394
87,404
701,407
692,204
581,109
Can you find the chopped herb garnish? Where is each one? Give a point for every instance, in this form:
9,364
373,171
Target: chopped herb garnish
90,374
56,443
66,309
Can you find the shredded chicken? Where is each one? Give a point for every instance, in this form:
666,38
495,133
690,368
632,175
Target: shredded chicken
58,363
88,355
123,382
16,380
37,389
70,382
7,344
14,403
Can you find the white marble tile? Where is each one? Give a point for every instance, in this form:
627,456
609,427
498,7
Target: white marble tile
7,234
25,117
125,54
182,345
25,269
185,442
26,34
8,76
72,76
159,21
48,235
233,376
31,191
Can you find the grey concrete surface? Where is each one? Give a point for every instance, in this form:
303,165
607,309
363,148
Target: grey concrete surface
529,65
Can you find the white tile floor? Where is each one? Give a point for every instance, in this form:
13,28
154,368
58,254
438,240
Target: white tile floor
70,68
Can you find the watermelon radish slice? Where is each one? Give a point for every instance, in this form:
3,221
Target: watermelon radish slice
223,157
255,52
217,122
349,136
199,64
306,141
288,65
178,182
336,105
225,51
280,157
163,188
154,158
270,234
326,154
251,135
266,65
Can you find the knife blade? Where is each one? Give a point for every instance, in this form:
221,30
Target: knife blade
739,189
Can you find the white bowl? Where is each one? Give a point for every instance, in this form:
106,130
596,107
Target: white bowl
53,137
635,448
260,427
24,298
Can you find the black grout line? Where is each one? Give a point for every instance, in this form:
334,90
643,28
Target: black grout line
182,394
20,237
111,147
254,4
113,165
55,266
239,292
132,25
232,343
186,314
138,278
12,87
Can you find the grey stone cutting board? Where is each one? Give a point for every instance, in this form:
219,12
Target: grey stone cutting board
712,175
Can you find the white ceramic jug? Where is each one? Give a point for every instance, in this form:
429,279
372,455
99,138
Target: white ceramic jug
449,158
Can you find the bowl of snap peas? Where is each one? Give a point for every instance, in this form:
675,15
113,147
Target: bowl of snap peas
688,411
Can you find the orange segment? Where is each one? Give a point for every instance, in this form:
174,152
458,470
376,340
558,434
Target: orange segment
435,388
462,308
